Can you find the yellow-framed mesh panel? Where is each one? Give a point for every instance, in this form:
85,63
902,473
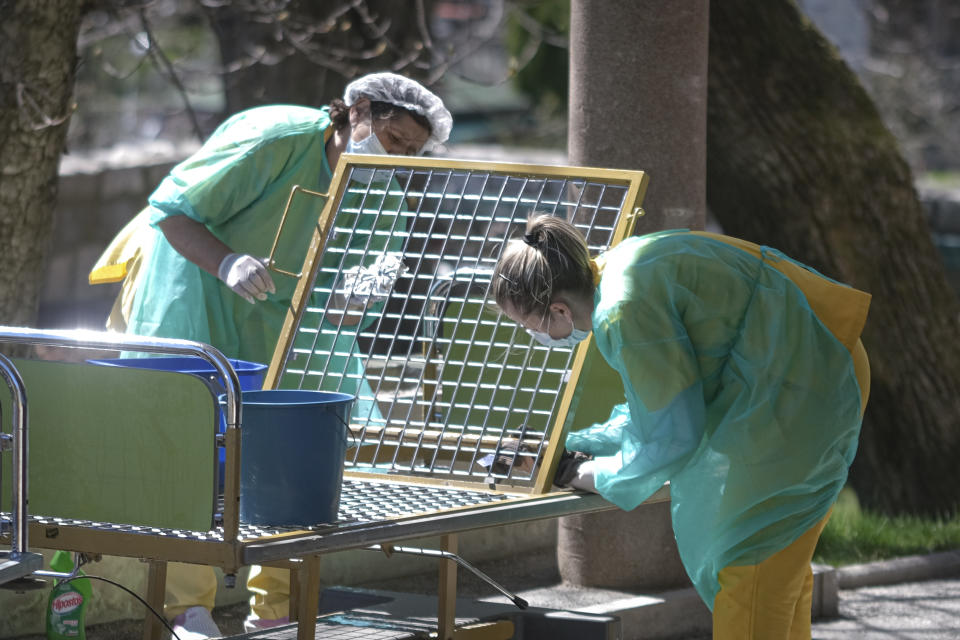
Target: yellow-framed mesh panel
445,384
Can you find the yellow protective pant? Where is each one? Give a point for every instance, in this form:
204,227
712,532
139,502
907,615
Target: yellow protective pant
271,592
193,585
770,600
189,585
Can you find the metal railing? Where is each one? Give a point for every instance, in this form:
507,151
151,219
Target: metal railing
18,562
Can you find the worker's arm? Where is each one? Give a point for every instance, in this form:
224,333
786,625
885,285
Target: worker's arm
245,275
223,179
651,436
195,242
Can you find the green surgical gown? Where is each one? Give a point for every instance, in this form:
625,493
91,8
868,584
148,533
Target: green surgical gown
737,394
237,185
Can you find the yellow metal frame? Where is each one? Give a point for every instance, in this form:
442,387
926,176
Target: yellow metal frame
272,258
636,182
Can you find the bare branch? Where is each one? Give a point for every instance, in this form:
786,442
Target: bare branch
114,72
157,54
376,31
24,99
312,56
537,29
422,26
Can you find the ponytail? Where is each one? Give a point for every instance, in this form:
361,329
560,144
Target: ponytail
549,258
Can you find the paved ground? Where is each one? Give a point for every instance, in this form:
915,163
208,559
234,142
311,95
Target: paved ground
912,598
924,610
910,609
928,610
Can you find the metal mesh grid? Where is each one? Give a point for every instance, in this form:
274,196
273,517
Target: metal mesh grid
360,502
445,380
349,627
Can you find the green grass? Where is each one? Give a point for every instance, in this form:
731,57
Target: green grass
947,179
853,536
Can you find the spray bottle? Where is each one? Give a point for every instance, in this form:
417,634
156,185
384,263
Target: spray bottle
68,602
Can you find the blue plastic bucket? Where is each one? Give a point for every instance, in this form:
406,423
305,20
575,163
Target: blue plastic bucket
292,447
249,373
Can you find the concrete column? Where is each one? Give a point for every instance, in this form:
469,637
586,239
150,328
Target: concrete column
638,99
638,94
629,550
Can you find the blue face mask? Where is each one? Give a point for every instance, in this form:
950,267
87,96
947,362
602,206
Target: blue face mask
576,337
369,145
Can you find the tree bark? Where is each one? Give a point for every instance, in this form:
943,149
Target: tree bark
798,158
38,59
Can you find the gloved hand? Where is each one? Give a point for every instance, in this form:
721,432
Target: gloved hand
362,285
586,477
573,470
247,276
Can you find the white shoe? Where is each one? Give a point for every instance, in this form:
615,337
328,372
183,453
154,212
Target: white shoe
195,623
254,623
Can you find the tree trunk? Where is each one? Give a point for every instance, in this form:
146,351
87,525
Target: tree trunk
798,158
38,40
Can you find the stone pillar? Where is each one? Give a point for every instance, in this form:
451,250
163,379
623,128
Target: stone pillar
638,99
627,550
638,92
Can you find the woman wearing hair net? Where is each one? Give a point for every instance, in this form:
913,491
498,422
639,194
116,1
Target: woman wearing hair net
745,383
192,260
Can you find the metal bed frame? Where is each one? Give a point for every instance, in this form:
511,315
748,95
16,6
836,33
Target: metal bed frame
410,500
479,382
18,562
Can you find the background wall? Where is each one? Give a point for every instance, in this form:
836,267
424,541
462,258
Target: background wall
100,192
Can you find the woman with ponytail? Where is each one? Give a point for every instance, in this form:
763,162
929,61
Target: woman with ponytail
745,383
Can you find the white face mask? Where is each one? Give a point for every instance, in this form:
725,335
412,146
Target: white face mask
576,337
369,145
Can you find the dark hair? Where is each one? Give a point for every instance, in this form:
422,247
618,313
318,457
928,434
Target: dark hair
340,114
550,258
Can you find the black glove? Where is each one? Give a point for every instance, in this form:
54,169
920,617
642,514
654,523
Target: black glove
567,469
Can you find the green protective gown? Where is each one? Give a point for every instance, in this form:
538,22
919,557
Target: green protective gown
237,184
737,394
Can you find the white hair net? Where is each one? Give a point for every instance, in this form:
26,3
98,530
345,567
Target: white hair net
409,94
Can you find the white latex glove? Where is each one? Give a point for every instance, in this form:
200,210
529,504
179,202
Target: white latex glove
585,478
362,285
247,276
